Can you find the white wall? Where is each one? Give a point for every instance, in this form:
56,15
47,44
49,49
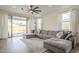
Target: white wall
3,25
51,21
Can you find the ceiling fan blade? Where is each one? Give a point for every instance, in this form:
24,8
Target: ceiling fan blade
36,12
36,8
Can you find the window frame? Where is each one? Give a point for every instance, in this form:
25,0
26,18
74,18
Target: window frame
64,20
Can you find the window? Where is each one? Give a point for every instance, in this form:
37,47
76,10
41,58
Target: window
66,21
39,24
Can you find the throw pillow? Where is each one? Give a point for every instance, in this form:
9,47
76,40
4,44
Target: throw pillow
64,35
59,34
68,36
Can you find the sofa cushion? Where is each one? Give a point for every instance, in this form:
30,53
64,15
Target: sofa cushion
43,32
52,32
59,43
48,36
51,36
40,36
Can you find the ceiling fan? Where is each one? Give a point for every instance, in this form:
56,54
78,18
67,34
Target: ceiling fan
33,9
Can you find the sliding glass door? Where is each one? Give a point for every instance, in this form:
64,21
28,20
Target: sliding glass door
17,26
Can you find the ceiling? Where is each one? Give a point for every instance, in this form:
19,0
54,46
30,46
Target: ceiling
16,10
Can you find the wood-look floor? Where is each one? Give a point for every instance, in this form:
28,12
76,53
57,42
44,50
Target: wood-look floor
14,45
76,49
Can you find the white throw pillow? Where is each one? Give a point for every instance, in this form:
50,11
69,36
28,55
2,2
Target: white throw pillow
59,34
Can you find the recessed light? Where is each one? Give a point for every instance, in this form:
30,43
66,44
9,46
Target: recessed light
13,6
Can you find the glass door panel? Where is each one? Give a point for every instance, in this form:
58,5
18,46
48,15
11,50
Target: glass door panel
19,26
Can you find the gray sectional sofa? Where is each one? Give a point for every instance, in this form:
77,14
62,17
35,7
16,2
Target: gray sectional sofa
56,41
64,44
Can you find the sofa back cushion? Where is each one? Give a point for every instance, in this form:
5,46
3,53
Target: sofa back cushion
43,32
52,32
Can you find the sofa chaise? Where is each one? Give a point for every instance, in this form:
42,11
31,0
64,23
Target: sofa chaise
59,45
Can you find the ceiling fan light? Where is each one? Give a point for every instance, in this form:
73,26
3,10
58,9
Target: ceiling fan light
31,11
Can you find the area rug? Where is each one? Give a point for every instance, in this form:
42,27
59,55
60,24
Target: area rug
35,44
